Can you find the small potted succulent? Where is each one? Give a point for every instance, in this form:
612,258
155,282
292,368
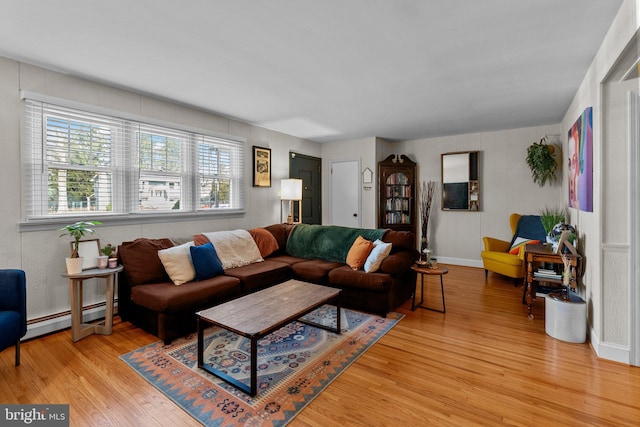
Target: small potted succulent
77,231
109,252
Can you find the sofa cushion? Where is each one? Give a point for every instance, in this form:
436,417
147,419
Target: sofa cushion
345,277
177,262
260,274
287,259
141,262
267,244
502,257
165,297
380,251
401,240
315,270
205,261
398,263
358,253
278,231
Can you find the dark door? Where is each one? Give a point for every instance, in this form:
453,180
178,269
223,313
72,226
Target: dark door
309,170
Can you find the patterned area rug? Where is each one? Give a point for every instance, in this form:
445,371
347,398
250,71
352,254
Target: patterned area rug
295,364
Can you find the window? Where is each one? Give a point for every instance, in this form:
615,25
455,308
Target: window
81,163
160,158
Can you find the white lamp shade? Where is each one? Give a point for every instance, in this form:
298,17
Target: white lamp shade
291,189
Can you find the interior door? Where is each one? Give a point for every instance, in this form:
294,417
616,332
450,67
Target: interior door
345,194
309,170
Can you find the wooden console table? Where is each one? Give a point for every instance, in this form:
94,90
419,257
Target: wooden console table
544,253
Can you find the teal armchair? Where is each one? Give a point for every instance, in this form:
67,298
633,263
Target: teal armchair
13,309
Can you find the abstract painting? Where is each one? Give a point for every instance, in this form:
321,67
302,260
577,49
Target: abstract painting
581,162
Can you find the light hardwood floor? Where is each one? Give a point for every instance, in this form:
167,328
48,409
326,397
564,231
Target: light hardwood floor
482,363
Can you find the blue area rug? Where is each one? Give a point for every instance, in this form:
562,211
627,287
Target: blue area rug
295,363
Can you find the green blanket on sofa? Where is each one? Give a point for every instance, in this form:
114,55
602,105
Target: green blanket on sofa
327,242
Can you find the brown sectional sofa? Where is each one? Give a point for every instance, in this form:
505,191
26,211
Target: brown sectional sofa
148,298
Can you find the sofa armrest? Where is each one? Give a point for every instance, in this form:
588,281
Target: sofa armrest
495,245
398,263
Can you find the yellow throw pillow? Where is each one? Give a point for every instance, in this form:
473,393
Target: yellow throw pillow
359,252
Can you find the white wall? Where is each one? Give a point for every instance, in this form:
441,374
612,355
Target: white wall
605,230
505,187
41,253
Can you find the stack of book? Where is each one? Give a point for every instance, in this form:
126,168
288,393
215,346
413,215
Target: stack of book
543,273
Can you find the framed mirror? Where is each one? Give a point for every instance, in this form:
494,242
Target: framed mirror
460,181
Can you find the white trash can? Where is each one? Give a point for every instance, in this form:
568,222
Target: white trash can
565,316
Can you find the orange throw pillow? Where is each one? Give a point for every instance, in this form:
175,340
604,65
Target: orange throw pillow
200,239
359,252
267,243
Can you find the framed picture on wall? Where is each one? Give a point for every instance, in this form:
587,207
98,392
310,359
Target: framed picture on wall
261,167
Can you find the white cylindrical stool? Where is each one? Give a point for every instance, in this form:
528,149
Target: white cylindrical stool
566,316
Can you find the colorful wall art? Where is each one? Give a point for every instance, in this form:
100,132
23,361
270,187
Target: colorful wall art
581,162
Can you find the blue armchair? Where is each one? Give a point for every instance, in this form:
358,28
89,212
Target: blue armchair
13,309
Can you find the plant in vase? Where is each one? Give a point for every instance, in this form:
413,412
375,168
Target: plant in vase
550,217
108,252
426,198
77,231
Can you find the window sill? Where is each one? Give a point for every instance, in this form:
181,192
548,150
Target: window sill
44,224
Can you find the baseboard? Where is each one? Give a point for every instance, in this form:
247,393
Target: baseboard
460,261
60,321
609,351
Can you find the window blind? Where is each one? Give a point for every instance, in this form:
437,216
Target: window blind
82,163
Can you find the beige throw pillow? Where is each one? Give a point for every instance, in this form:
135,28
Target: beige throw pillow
177,262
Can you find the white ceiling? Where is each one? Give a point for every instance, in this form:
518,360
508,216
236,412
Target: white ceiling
327,70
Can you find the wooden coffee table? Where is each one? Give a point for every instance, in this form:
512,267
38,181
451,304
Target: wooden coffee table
258,314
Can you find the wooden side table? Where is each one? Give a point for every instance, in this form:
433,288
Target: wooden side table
537,253
79,329
422,271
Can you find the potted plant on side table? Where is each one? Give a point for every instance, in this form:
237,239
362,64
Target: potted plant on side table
110,253
77,231
550,217
103,260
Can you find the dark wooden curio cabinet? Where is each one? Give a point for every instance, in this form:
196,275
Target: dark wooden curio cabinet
397,194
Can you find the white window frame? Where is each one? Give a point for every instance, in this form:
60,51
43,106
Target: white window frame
125,167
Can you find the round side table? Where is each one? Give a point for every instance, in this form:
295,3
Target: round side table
80,329
422,271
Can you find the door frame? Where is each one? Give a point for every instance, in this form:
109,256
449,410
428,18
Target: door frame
634,228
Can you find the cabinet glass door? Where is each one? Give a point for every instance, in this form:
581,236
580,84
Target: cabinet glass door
398,195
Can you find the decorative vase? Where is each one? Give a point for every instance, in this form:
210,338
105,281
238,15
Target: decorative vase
74,265
103,262
113,262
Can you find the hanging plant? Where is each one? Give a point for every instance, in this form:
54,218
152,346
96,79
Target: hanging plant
542,162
